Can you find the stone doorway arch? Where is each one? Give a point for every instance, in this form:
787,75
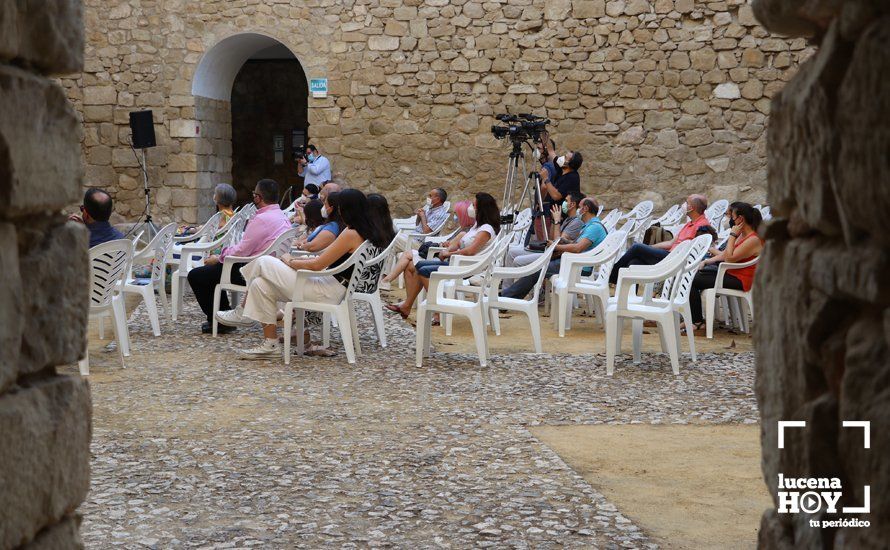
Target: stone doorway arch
251,111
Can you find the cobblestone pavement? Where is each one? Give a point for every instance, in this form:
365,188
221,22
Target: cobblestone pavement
194,448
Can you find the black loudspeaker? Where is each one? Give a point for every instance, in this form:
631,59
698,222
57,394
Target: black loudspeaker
142,125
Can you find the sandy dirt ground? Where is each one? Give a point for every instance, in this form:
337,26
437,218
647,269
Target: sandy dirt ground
585,336
691,487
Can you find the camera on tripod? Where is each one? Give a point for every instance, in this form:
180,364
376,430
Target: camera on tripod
520,127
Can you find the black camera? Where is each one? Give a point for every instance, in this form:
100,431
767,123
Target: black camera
300,153
520,127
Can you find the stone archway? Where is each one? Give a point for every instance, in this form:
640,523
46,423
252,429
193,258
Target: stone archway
222,136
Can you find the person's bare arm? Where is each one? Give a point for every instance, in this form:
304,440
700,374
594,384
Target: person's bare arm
348,241
320,242
578,246
474,247
734,254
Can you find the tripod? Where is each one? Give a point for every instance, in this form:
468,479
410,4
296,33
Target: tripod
146,225
531,191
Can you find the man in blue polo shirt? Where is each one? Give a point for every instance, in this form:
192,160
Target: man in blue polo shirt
592,233
95,213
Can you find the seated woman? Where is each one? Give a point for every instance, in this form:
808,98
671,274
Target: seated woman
271,280
310,193
744,244
224,197
324,233
488,223
412,256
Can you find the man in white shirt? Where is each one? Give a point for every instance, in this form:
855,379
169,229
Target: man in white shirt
314,168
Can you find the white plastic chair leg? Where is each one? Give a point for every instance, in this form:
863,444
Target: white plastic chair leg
151,307
325,330
669,328
288,322
119,319
637,325
84,364
563,311
612,338
423,327
535,322
446,319
495,315
690,330
377,313
343,317
162,294
217,297
353,326
709,297
478,324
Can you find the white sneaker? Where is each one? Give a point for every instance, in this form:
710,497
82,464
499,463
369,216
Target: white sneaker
234,318
267,350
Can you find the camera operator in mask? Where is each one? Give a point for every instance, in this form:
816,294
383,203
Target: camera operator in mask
313,167
567,181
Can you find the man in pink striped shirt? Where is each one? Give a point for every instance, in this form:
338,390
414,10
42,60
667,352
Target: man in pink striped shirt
267,224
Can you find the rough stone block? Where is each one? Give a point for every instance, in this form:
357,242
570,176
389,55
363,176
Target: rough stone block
55,281
588,9
11,318
45,456
47,35
40,161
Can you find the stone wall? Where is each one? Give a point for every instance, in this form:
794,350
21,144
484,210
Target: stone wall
663,97
44,417
823,335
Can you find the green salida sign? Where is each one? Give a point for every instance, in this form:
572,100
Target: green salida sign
318,87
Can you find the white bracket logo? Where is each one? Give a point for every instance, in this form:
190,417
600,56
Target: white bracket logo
866,444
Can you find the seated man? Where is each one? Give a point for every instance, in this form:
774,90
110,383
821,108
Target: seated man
566,227
592,233
430,216
95,213
644,254
268,223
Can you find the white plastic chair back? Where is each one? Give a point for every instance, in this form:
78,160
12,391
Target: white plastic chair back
677,289
369,279
109,267
611,219
766,213
643,209
715,212
162,243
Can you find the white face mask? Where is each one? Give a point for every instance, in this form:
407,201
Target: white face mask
561,161
324,212
471,211
429,202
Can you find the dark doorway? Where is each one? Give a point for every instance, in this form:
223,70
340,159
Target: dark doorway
269,124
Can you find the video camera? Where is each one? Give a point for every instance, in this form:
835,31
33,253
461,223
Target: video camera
522,127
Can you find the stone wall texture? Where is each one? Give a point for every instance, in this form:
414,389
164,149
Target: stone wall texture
823,302
44,417
663,97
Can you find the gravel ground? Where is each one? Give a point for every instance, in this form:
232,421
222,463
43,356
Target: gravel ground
195,448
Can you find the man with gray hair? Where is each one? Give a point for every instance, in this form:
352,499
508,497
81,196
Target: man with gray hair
644,254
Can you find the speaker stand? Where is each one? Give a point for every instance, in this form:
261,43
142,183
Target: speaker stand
147,225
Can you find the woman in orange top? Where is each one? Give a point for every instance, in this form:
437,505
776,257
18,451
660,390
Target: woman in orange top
744,244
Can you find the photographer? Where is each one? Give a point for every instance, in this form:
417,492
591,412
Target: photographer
313,167
567,180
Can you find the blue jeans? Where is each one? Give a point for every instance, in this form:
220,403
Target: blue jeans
425,268
521,287
638,254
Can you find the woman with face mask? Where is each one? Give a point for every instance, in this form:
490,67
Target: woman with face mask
328,231
488,223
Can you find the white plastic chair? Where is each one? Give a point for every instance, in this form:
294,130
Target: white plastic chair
110,263
676,271
643,209
435,302
710,295
611,220
279,246
343,311
153,254
474,285
714,213
494,302
570,282
191,254
367,290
